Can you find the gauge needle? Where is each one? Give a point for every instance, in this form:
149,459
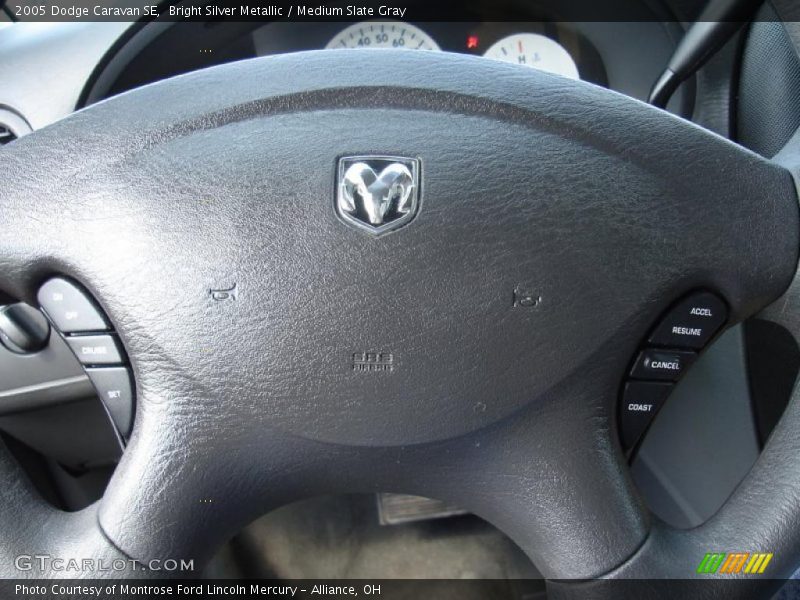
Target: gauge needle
521,51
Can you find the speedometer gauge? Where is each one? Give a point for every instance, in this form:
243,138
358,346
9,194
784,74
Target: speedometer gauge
534,50
383,34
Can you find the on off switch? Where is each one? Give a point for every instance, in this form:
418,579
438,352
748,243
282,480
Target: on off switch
692,322
69,308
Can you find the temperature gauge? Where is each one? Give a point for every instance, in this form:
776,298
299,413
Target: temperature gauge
534,50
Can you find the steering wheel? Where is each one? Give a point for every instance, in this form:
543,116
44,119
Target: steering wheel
606,209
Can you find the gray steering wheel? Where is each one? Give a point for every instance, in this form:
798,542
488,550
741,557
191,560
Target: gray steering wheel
604,208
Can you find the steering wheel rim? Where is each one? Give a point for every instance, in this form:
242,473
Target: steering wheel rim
186,482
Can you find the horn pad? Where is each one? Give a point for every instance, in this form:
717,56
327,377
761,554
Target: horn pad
551,225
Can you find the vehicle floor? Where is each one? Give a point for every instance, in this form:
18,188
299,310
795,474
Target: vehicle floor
335,537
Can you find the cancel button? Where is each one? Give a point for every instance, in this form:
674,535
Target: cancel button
667,365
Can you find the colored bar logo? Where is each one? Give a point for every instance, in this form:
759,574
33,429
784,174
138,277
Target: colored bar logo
753,563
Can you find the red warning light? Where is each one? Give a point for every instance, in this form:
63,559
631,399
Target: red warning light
472,42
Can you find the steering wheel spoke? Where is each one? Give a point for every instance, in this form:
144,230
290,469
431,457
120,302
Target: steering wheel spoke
551,498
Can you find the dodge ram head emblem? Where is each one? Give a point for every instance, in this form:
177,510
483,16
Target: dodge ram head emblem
377,193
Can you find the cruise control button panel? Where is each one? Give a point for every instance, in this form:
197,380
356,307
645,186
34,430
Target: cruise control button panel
88,333
70,309
692,322
670,349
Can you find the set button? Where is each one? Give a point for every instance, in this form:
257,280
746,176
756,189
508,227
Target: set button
113,385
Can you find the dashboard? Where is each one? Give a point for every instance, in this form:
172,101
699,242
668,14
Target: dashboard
37,87
626,57
552,47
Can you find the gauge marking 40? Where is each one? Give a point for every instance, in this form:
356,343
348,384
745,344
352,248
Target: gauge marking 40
383,34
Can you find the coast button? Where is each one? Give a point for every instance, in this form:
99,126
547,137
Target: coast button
641,401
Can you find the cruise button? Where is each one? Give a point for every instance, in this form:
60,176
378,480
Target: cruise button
96,349
692,322
667,365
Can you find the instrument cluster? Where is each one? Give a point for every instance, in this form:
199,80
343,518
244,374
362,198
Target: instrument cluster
624,56
525,48
553,47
